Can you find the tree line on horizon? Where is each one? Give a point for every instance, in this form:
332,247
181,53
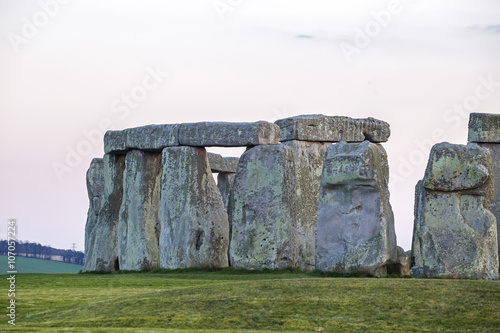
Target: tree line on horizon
36,250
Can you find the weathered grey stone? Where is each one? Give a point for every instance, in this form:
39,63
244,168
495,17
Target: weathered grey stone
273,206
455,235
484,127
333,129
308,164
402,265
262,209
417,272
225,182
195,227
222,164
355,224
139,223
494,149
95,190
454,168
152,137
114,142
209,134
105,248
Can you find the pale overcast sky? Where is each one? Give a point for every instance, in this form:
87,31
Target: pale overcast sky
70,68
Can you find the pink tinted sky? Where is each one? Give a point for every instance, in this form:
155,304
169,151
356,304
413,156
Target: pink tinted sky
422,67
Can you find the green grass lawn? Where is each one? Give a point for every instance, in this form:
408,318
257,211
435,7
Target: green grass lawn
31,265
235,302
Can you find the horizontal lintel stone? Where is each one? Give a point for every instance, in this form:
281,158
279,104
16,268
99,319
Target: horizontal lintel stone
225,134
484,127
218,163
321,128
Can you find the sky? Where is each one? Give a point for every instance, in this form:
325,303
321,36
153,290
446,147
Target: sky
69,70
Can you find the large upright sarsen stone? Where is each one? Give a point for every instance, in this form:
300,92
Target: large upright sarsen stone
105,247
95,190
139,224
455,235
194,222
355,224
262,209
485,130
307,166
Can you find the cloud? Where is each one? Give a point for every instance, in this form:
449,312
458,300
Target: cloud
486,28
304,36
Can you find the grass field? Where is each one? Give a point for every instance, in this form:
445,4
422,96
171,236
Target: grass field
230,301
31,265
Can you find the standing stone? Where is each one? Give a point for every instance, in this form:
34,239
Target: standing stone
402,265
320,128
485,130
262,209
355,224
105,256
195,227
308,164
455,235
225,182
208,134
139,224
95,190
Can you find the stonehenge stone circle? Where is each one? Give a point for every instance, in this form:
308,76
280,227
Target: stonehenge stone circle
455,235
355,224
194,223
484,129
309,192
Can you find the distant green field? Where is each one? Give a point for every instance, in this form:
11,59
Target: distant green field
31,265
230,301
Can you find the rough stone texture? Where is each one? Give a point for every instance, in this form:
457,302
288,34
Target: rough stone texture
455,235
95,190
222,164
139,224
308,165
209,134
225,182
417,272
453,168
355,224
494,149
152,137
114,142
262,210
333,129
195,227
402,265
484,127
105,248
